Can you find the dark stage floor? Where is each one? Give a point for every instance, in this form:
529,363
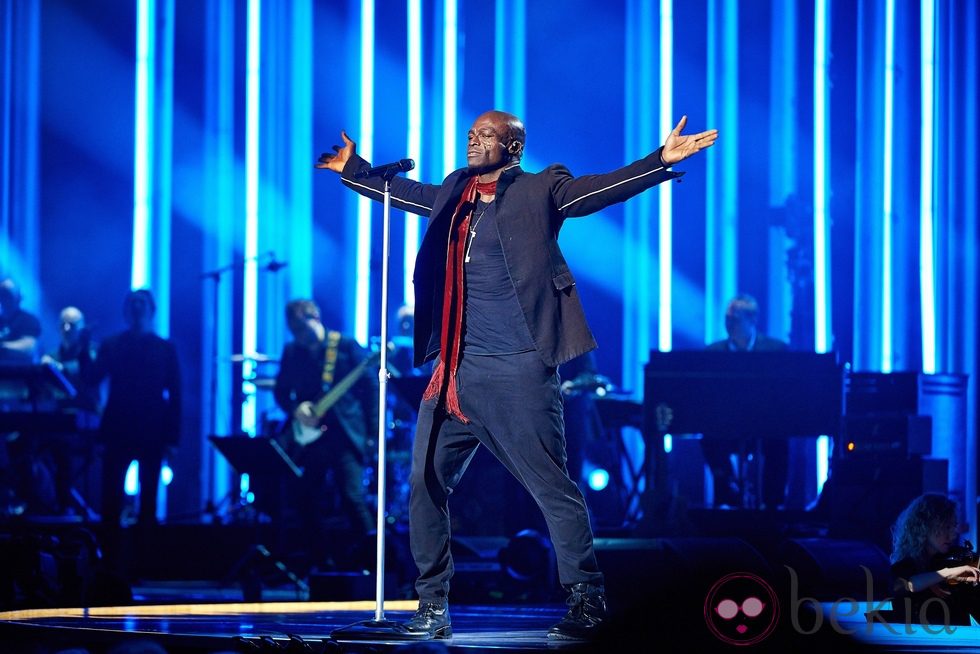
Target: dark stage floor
307,627
270,627
661,592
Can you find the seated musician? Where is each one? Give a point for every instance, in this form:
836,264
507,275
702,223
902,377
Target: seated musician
336,442
741,323
19,329
62,452
67,358
928,572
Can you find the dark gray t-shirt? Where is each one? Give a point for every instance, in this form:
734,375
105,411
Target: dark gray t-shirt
494,322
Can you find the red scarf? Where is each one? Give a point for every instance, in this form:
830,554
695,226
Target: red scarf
453,300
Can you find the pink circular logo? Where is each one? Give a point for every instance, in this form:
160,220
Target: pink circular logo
741,609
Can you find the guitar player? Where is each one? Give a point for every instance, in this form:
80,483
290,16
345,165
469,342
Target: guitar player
335,443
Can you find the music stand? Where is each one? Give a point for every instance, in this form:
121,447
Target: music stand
33,382
615,413
732,394
269,468
256,456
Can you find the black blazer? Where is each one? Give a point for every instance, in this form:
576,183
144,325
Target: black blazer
531,208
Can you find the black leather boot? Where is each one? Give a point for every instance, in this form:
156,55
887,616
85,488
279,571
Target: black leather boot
587,610
432,619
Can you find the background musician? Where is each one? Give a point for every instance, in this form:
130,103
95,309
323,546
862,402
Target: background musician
19,329
924,534
311,364
142,415
68,454
67,358
741,324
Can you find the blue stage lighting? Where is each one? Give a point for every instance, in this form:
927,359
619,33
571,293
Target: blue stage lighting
250,286
450,31
927,265
821,231
598,479
887,155
365,147
143,154
665,324
132,482
413,224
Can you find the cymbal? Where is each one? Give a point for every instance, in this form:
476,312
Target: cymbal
264,383
257,357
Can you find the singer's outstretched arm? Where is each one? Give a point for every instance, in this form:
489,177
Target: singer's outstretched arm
406,194
584,195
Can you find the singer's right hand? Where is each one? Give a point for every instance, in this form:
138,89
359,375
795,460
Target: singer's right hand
338,159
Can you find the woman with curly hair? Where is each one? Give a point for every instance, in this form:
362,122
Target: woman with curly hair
930,590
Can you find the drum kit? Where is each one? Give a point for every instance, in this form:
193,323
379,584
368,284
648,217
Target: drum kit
265,381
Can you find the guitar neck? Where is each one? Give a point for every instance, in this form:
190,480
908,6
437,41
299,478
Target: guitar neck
338,390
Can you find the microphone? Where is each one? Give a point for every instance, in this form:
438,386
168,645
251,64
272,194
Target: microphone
387,170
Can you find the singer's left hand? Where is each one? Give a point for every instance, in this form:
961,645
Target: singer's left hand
679,147
338,159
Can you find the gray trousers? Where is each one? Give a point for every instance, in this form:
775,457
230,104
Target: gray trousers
515,409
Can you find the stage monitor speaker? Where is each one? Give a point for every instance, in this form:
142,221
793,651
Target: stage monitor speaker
866,495
638,568
830,569
886,434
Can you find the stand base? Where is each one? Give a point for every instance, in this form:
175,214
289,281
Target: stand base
376,630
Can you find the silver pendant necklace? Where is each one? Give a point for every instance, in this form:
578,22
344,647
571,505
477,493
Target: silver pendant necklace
472,232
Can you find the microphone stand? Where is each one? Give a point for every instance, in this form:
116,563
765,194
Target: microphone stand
379,627
216,276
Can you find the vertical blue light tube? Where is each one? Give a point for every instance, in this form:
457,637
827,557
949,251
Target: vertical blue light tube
821,175
711,290
449,84
163,166
6,132
783,153
639,138
729,184
221,221
250,285
20,226
366,147
143,154
299,129
927,263
821,224
413,224
721,230
886,155
510,56
665,324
